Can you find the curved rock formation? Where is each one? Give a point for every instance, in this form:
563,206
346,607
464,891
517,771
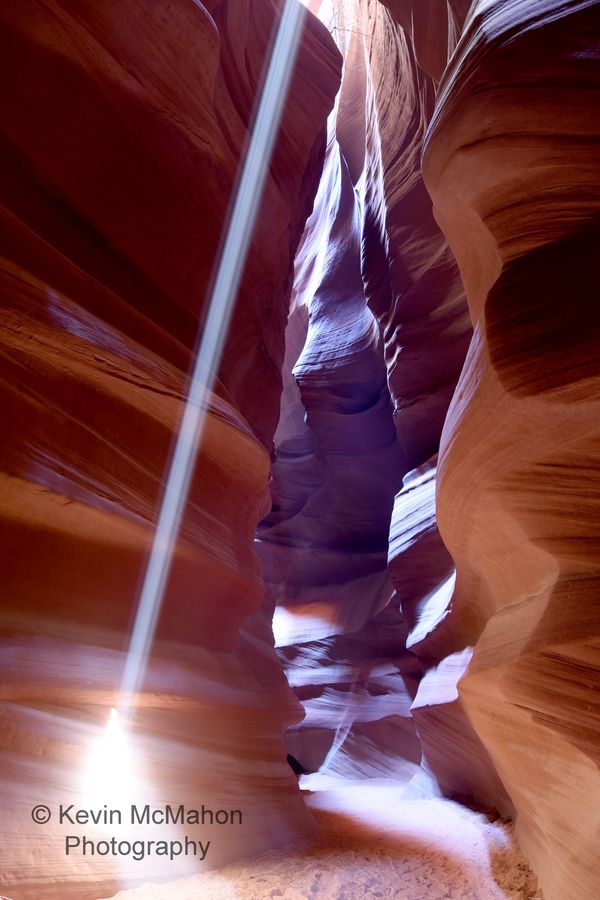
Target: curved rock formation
515,187
460,155
381,311
324,544
515,193
123,129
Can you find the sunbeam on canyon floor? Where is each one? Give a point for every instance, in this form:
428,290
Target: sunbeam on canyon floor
373,842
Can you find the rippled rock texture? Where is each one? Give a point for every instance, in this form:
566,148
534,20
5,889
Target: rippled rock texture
511,164
490,628
376,340
123,128
459,158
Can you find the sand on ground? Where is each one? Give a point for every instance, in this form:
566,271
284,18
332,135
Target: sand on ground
373,843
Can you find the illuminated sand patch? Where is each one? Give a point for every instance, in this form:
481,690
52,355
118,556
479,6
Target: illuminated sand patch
374,843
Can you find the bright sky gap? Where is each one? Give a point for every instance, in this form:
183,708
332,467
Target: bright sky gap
221,304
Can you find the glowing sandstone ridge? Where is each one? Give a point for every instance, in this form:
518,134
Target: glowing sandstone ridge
387,564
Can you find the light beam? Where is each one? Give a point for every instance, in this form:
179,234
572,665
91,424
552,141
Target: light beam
244,210
107,777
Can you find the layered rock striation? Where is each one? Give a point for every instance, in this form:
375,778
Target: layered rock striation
376,342
494,628
460,157
123,127
511,166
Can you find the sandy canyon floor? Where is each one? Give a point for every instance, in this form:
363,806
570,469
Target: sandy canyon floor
373,842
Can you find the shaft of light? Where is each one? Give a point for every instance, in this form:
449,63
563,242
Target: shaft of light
226,284
350,714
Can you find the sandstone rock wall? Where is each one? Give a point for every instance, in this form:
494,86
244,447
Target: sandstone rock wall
123,126
472,651
511,166
377,339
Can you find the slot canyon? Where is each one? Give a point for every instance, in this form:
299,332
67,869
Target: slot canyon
373,665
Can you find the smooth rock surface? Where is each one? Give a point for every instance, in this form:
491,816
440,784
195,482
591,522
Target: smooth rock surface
376,339
123,127
511,164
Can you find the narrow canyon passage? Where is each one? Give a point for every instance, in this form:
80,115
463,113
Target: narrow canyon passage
387,565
